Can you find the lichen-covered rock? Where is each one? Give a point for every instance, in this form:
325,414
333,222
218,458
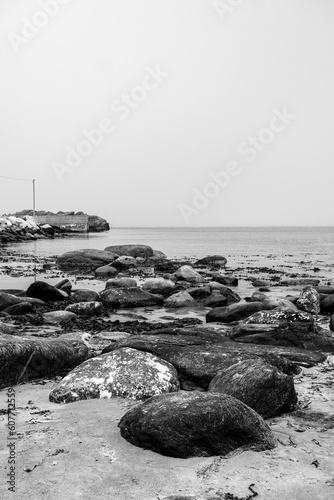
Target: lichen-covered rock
309,300
187,273
144,251
129,297
282,318
212,260
125,372
124,262
86,309
195,424
259,385
121,283
234,312
85,296
180,299
158,285
25,358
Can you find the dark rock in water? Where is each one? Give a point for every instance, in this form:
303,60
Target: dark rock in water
212,260
264,289
19,309
85,296
259,385
44,291
121,283
327,304
324,289
260,283
282,318
106,271
232,297
86,260
188,273
224,280
160,286
309,300
193,424
125,372
299,281
25,358
86,309
144,251
199,293
97,224
180,299
215,300
198,360
234,312
124,262
129,297
64,285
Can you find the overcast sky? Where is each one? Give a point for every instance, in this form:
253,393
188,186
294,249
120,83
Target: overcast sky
209,113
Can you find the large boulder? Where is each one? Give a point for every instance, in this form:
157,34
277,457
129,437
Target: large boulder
106,271
309,300
180,299
85,260
234,312
85,296
57,317
327,304
85,309
46,292
282,318
275,303
25,358
259,385
194,424
144,251
19,309
215,300
158,285
129,297
8,300
212,261
188,273
125,372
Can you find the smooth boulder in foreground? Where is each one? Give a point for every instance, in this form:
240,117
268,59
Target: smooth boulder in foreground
259,385
193,424
125,372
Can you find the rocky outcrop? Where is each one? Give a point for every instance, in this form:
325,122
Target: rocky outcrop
144,251
96,224
126,373
84,260
194,424
24,228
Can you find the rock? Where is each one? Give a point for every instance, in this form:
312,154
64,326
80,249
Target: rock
106,271
85,296
158,285
86,309
180,299
264,289
194,424
327,304
129,297
258,297
25,358
224,280
187,273
299,281
7,300
126,373
144,251
331,323
64,285
158,256
199,293
215,300
8,329
234,312
324,289
260,283
84,260
282,318
259,385
44,291
282,304
232,297
121,283
97,224
19,309
56,317
309,300
124,262
212,260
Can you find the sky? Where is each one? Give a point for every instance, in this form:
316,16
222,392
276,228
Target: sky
169,112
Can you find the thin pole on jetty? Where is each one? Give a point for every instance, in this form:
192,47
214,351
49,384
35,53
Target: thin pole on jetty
33,188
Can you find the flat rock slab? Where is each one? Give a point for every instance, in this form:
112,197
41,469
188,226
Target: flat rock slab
23,359
195,424
259,385
129,297
125,372
234,312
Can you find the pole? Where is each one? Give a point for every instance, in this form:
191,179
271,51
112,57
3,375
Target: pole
34,196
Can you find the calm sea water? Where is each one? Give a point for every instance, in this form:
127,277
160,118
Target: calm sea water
313,243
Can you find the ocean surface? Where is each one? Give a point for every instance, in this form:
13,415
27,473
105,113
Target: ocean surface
261,243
